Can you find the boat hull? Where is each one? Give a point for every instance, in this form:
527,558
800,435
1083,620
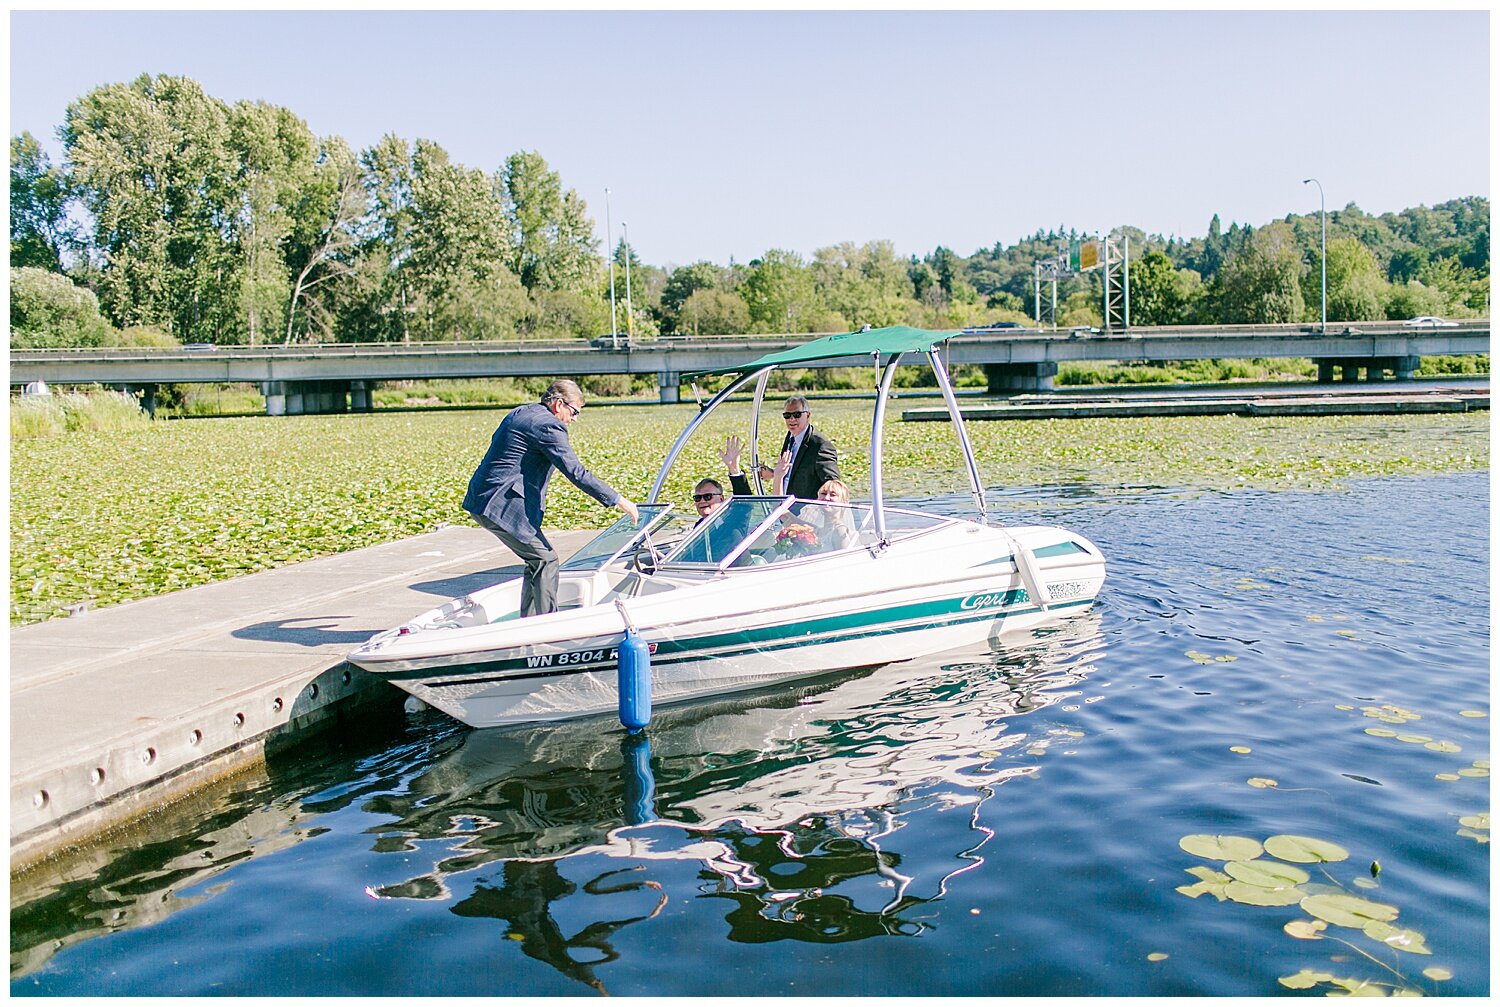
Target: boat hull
719,637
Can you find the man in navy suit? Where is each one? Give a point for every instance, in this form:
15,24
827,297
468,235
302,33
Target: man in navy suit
506,491
810,457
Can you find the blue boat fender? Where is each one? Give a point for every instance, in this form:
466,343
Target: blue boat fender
634,677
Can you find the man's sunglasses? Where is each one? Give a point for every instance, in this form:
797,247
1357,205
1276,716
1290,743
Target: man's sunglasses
573,409
705,497
794,414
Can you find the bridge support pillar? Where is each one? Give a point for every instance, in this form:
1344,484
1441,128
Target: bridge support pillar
301,398
275,396
359,396
1006,378
1374,368
670,384
147,394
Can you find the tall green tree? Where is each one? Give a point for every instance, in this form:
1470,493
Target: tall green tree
1260,281
552,237
50,311
710,312
1158,295
391,299
683,283
275,157
780,292
863,284
1356,285
151,164
459,248
320,249
39,228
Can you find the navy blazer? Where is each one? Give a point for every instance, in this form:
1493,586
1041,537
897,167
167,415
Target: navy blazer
511,482
815,464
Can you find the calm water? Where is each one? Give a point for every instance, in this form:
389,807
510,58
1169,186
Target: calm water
978,823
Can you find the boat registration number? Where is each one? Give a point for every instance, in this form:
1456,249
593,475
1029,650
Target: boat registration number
595,656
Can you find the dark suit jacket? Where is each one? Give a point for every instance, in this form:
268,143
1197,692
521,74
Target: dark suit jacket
510,484
815,464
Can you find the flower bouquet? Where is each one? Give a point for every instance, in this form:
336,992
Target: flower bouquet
796,540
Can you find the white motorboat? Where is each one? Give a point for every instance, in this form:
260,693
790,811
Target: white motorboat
766,590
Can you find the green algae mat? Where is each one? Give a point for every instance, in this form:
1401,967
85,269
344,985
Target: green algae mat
113,517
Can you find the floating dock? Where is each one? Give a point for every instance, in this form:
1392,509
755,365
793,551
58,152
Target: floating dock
1315,400
116,712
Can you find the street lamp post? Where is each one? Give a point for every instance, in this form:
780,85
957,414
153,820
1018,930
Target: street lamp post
1324,257
614,326
629,311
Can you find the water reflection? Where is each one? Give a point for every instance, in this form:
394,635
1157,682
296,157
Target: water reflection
797,808
808,811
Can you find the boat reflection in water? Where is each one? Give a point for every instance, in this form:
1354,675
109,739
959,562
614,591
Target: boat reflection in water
832,812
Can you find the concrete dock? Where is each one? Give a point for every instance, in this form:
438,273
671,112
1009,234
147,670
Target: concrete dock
116,712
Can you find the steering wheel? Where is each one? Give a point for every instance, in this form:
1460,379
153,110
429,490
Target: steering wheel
647,557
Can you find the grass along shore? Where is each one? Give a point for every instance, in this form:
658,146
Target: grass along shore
111,516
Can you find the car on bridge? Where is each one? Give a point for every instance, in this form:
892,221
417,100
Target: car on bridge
1429,322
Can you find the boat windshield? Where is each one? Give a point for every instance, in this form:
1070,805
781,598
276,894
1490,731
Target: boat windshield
624,534
758,531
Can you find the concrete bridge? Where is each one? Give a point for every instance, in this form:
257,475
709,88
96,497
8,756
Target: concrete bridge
336,377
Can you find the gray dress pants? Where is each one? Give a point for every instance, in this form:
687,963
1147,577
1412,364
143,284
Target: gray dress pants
539,586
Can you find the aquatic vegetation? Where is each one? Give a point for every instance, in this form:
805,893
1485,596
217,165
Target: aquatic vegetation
1247,879
1476,827
116,516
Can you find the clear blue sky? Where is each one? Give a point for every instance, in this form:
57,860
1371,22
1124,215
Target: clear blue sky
724,135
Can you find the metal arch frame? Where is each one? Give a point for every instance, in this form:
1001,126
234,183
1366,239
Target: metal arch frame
713,403
877,433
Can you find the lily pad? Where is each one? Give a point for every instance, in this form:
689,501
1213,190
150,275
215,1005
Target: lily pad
1380,732
1157,956
1474,772
1305,850
1255,895
1210,882
1394,937
1472,713
1263,782
1306,930
1366,883
1221,847
1481,763
1413,739
1266,873
1478,837
1348,910
1480,821
1362,988
1305,980
1240,749
1449,777
1442,746
1199,657
1437,973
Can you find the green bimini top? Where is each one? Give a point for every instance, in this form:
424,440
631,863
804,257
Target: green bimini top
887,342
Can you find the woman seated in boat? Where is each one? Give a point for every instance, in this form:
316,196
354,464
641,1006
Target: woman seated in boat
836,524
817,526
